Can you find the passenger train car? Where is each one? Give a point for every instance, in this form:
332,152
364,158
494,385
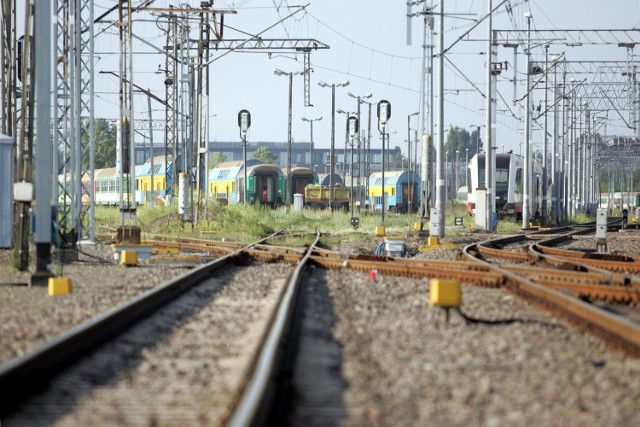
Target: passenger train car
300,178
265,183
148,191
397,186
509,178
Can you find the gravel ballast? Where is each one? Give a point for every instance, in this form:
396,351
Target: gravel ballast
405,366
402,363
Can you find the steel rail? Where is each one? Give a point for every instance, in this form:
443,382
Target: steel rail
254,396
20,377
612,262
621,331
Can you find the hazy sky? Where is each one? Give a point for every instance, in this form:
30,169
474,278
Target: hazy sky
368,48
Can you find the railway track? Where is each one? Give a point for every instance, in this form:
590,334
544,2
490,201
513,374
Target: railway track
138,327
559,280
596,299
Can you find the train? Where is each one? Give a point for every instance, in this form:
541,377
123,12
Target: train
402,189
266,184
317,196
509,178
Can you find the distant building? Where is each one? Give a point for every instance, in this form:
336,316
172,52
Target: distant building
299,155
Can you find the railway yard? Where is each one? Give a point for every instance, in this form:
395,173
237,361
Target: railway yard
369,348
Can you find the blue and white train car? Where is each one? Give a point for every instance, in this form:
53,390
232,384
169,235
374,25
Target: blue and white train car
402,189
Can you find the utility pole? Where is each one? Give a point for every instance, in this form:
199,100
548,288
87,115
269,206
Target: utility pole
554,150
437,223
410,175
128,232
360,99
24,149
526,201
278,72
333,135
490,151
317,119
545,140
42,233
202,106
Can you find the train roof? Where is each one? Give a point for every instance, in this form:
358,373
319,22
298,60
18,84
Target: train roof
158,168
229,170
300,170
104,173
349,178
324,179
392,177
264,168
159,159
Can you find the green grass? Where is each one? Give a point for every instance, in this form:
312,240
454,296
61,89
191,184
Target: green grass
248,223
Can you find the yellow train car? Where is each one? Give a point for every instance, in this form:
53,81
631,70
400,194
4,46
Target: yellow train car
222,191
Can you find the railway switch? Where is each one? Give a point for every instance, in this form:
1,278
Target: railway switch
59,286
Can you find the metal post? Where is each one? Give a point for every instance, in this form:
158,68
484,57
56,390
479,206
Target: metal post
333,142
311,145
440,195
333,135
151,151
409,158
526,202
351,192
545,139
491,124
244,159
368,161
288,182
554,152
424,166
42,233
384,134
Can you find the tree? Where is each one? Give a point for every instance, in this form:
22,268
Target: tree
265,156
458,139
105,144
475,143
395,162
216,158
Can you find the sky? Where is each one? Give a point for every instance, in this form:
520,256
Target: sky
368,48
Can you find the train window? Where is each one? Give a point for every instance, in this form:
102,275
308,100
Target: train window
502,175
518,180
481,178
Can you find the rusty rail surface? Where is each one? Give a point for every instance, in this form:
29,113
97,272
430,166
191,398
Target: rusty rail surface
567,286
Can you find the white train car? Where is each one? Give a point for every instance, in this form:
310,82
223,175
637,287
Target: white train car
509,177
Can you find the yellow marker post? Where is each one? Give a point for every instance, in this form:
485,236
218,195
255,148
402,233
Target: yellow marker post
446,294
59,286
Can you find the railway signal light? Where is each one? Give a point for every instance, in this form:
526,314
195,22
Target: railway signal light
352,126
384,111
244,120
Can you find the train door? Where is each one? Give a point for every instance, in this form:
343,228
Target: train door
404,196
265,189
